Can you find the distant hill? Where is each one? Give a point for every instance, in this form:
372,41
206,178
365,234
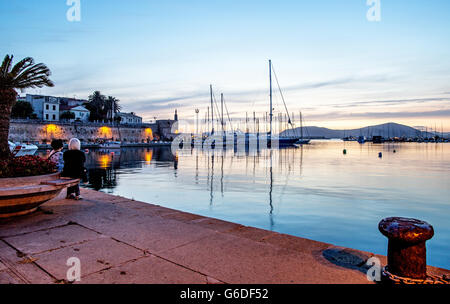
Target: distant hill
386,130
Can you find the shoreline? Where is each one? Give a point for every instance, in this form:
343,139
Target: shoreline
118,240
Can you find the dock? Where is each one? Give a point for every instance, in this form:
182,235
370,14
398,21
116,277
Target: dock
118,240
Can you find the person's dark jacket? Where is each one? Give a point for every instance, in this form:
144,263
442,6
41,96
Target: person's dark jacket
73,164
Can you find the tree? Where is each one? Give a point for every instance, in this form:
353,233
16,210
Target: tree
67,115
101,108
112,106
25,74
22,109
96,105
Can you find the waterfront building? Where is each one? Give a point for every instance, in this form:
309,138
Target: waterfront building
81,113
72,102
129,118
45,107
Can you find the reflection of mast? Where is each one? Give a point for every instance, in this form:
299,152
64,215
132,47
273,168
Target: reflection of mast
221,176
270,192
196,168
211,194
301,160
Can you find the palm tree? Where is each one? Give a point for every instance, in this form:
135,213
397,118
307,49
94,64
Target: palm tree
112,105
96,105
25,74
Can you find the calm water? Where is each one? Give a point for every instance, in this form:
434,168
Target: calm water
315,192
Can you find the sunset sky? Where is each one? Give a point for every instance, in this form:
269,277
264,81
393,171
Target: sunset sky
339,69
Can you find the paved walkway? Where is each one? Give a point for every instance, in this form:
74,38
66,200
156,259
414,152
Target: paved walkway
122,241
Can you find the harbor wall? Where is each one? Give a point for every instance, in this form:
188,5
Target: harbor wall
44,132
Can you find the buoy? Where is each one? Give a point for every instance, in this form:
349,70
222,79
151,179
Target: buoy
380,155
345,151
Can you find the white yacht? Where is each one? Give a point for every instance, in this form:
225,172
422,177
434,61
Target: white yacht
22,149
110,144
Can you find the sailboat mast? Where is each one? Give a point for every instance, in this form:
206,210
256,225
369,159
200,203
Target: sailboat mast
221,102
301,125
271,107
207,122
212,110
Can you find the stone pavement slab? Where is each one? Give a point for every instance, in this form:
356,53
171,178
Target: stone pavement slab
118,240
96,255
51,239
237,261
146,270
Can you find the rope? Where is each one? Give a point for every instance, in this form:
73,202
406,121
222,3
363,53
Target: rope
282,97
431,279
228,114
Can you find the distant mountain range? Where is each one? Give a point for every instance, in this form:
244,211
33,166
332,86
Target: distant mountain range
386,130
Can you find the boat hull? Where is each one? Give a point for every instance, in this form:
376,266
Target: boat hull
12,205
22,195
303,142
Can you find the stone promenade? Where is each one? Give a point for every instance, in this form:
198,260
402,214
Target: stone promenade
118,240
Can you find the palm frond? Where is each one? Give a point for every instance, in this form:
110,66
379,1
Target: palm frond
6,65
22,65
25,74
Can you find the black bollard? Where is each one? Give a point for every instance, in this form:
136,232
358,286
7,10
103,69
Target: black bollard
407,255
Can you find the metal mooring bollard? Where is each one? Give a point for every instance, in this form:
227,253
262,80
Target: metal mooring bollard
406,249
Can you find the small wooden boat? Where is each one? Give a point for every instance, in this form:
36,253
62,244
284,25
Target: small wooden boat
22,195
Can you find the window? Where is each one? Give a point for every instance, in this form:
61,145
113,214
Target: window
54,108
54,117
46,107
46,116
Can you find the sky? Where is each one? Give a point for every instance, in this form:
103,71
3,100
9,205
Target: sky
333,64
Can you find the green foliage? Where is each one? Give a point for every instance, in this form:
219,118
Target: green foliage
67,115
22,109
25,74
101,107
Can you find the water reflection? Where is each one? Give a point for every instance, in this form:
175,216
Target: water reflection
314,191
104,165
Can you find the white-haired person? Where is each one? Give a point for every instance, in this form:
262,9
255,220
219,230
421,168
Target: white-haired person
73,167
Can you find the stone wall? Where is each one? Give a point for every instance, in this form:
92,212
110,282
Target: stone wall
43,132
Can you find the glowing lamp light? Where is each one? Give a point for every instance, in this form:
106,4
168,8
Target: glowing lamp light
148,133
52,129
105,132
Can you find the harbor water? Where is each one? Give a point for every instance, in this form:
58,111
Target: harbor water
315,191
